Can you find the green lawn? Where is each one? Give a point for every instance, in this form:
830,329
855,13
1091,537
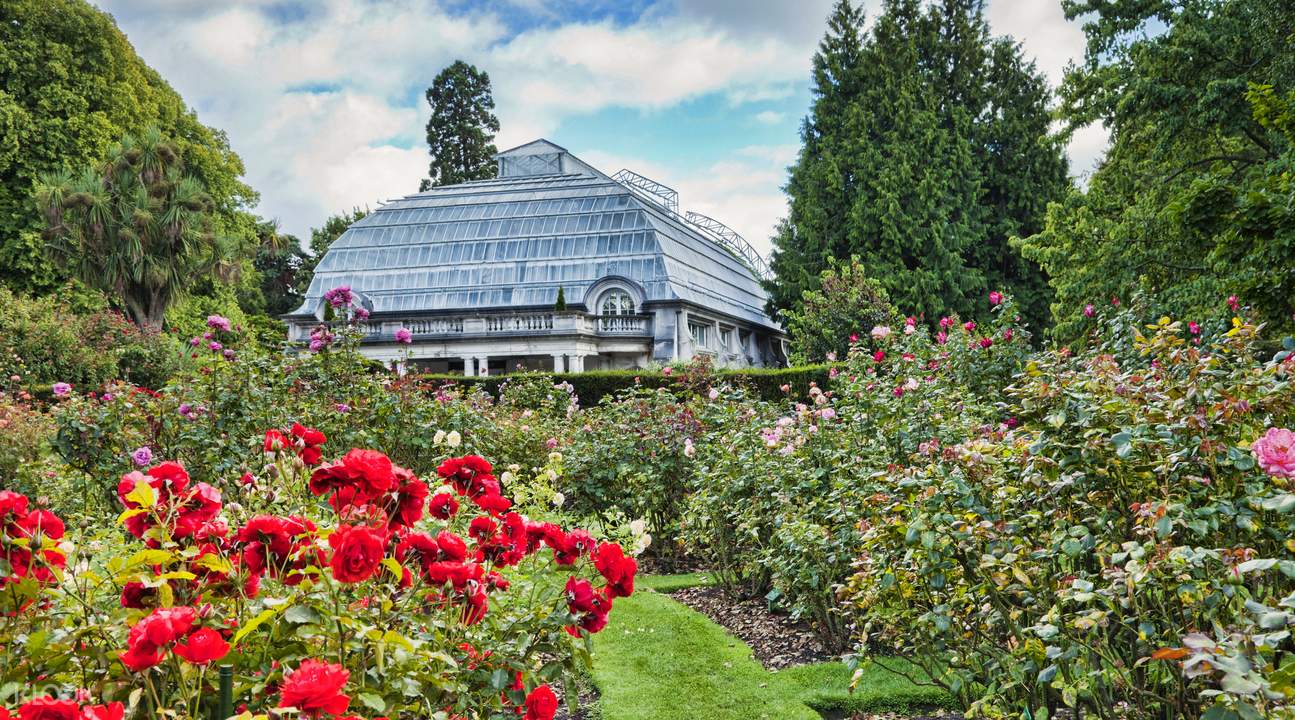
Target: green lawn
660,660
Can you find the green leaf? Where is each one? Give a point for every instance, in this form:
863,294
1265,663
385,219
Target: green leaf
373,701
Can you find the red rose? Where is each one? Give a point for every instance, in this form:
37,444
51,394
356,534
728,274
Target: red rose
369,471
541,704
202,646
316,688
493,503
357,552
140,658
47,708
443,506
470,475
451,546
617,569
580,595
310,440
135,595
111,711
41,522
409,500
274,441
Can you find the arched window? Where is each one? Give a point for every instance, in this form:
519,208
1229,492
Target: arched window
617,302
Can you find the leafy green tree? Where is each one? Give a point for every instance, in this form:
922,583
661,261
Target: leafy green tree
461,131
846,303
71,86
284,276
138,227
928,147
1193,200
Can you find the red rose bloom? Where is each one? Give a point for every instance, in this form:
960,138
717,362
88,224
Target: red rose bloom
617,569
580,595
274,441
369,471
316,688
470,475
202,646
409,499
111,711
541,704
310,440
357,552
493,503
443,506
47,708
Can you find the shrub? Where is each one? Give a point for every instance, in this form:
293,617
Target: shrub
358,585
42,342
846,303
1120,551
25,434
633,456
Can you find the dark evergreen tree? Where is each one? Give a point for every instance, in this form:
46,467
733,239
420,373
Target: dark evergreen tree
821,184
461,131
924,160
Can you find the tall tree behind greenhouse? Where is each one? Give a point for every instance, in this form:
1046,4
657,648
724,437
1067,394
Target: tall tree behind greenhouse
461,131
926,150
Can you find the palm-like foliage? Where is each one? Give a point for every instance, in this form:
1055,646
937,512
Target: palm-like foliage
137,227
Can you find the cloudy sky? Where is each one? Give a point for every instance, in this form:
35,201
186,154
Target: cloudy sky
323,99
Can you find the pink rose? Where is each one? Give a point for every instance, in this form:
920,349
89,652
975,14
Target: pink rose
1275,452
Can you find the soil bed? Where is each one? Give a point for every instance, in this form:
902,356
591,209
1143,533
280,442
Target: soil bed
777,640
586,701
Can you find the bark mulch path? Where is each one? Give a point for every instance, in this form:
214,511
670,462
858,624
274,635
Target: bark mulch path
777,640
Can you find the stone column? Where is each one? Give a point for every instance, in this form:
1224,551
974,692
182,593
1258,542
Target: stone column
483,365
469,369
577,363
558,363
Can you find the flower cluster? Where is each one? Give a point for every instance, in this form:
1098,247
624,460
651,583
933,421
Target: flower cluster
306,442
163,498
176,629
29,541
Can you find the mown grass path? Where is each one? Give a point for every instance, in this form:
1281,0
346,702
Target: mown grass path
661,660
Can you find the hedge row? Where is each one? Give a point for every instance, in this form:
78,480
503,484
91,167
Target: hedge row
592,386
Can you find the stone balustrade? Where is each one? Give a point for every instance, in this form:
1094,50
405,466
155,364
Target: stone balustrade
496,324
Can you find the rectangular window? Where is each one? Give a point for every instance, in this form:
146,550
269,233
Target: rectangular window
726,339
700,334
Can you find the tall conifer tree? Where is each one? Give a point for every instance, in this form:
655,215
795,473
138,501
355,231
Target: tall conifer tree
821,183
461,131
924,161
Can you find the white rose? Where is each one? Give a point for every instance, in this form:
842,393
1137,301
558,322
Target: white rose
559,499
638,527
439,437
453,438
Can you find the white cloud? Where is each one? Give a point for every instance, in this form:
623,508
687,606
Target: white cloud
769,117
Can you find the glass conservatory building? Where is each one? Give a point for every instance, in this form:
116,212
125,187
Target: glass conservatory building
552,265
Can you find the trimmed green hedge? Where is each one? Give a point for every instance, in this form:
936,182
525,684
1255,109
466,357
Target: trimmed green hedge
591,387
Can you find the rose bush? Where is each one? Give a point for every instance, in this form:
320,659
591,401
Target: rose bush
1124,550
367,590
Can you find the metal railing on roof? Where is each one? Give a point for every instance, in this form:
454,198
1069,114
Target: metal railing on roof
716,231
728,237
